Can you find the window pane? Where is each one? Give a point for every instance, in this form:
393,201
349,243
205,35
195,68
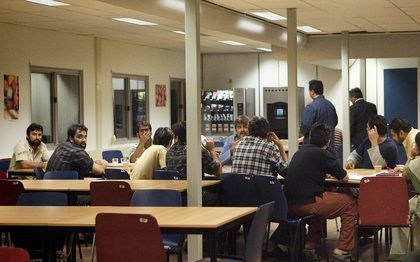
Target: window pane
120,122
68,104
41,111
138,103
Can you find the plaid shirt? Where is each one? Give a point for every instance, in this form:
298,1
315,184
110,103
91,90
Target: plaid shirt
255,155
176,159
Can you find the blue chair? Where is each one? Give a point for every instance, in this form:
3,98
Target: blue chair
155,197
108,155
39,172
113,173
269,189
4,166
61,175
167,175
42,199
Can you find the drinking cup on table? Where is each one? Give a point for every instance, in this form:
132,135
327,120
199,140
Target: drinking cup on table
115,161
399,168
378,168
125,161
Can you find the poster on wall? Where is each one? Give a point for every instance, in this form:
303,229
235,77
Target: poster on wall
11,97
160,95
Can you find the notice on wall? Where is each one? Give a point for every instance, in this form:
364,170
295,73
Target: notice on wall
160,95
11,97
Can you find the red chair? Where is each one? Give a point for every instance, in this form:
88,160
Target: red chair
110,193
128,237
383,202
8,254
10,192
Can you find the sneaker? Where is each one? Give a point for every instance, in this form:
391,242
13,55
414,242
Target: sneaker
343,257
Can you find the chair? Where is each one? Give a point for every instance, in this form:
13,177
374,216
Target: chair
39,172
10,192
110,193
270,189
167,175
113,173
4,166
128,237
108,155
34,239
383,202
9,254
171,242
61,175
255,240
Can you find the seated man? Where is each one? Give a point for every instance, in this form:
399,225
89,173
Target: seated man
376,149
71,155
176,157
304,190
404,134
229,147
31,152
260,153
144,132
154,157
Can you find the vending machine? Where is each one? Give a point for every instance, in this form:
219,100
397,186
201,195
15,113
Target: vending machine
217,113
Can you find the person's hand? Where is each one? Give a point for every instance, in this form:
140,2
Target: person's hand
144,137
399,168
414,152
373,136
272,137
209,144
233,147
300,139
349,164
101,162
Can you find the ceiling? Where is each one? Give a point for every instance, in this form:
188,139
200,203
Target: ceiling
93,18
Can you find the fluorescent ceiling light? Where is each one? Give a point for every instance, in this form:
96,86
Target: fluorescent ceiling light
177,5
48,2
264,49
229,42
179,32
308,29
269,15
251,26
134,21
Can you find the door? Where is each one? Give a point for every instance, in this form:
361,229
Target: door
178,112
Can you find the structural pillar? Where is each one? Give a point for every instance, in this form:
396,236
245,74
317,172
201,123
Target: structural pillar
345,92
98,91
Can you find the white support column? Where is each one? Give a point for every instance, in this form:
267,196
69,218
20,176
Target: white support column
98,91
345,92
362,76
193,88
418,92
292,106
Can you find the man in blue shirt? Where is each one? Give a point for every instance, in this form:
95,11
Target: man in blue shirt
320,110
229,147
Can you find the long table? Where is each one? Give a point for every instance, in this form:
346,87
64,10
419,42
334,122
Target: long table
209,221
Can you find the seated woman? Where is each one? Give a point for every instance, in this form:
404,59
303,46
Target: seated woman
400,236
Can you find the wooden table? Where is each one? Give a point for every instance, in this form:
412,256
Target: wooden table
84,184
355,175
210,221
19,172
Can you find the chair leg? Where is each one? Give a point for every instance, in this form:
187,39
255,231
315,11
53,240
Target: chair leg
336,225
411,239
179,255
267,237
356,240
92,255
375,246
323,241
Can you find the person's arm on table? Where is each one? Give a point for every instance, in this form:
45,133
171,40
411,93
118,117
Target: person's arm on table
99,167
215,156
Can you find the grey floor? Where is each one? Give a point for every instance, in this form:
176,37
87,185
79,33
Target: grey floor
366,253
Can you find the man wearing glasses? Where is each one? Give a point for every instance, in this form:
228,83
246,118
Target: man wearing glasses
144,132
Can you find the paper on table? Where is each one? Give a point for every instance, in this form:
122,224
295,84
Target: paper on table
355,176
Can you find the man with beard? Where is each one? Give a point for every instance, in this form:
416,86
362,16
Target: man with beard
404,134
31,152
71,155
229,147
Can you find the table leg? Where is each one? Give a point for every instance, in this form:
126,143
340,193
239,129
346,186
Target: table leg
213,247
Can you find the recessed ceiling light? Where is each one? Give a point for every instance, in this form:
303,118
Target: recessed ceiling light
48,2
177,5
134,21
179,32
308,29
248,25
229,42
264,49
269,15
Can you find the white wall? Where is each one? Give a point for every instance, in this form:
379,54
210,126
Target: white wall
28,46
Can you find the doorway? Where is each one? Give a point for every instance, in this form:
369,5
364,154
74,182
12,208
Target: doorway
178,112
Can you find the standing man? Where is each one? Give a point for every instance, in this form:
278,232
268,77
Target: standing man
31,152
71,155
320,110
260,153
144,133
360,112
229,147
404,134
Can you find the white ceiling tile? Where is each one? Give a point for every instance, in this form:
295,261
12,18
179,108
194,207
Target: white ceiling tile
406,3
413,11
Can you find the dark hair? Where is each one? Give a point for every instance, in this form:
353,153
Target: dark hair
398,124
34,127
180,131
241,120
316,86
258,127
319,135
71,131
417,139
163,136
143,123
356,93
380,123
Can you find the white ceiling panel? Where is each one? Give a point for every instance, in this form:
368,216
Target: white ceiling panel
407,3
